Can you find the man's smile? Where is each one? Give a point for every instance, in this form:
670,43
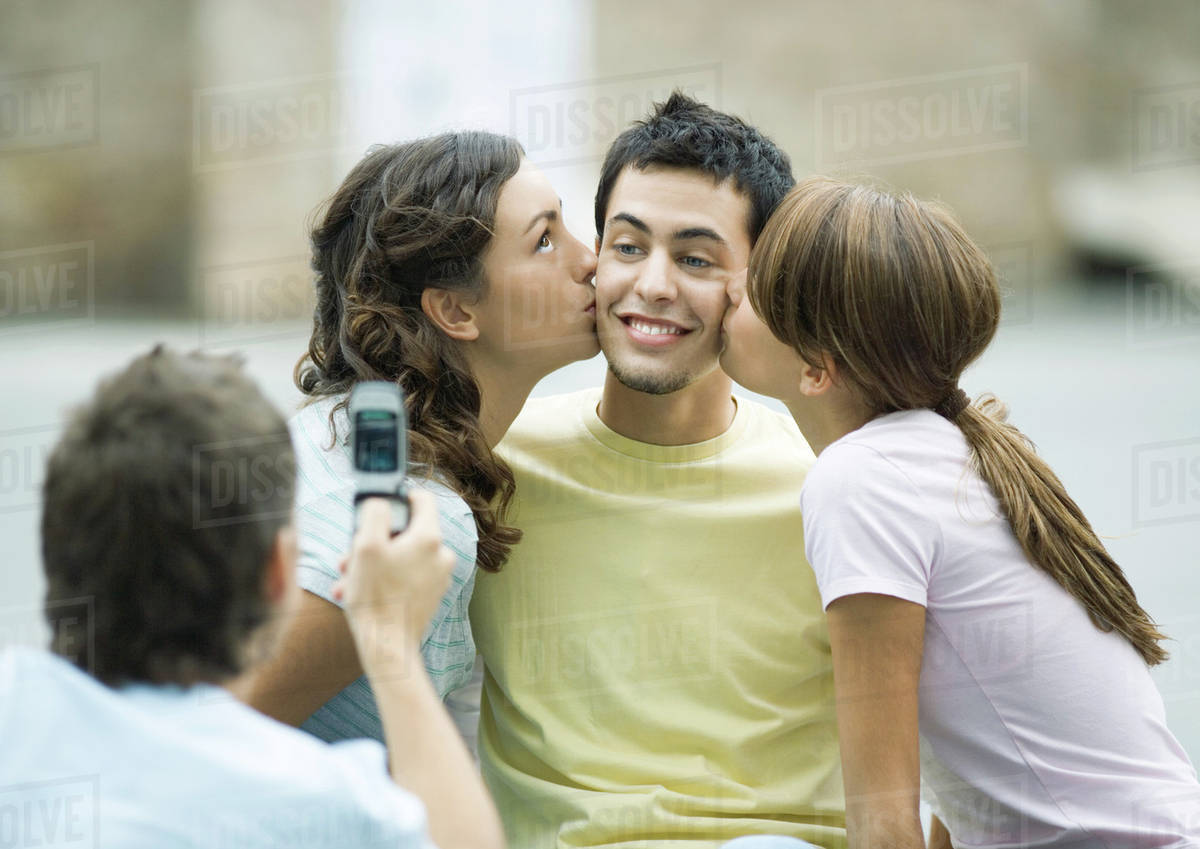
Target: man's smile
652,332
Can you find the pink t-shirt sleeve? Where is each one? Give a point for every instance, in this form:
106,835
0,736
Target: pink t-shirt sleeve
865,527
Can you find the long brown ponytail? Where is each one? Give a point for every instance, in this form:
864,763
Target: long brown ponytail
895,293
409,217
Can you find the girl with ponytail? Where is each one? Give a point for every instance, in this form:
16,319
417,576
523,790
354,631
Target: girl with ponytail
442,264
984,642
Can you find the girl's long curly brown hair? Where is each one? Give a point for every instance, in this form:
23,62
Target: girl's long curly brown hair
409,217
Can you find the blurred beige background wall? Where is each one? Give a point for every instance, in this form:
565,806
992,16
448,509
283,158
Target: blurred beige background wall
95,143
188,142
1031,107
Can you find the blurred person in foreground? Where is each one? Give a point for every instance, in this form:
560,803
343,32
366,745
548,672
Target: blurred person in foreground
168,515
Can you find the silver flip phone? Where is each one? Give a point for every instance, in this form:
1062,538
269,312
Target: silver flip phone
379,445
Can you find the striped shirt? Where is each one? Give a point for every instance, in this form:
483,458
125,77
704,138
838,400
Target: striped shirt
325,522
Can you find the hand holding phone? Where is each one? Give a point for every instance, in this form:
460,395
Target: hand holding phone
392,584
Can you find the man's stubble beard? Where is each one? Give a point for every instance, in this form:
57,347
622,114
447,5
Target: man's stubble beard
650,382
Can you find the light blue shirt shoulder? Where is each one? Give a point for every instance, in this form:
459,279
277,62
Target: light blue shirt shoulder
154,766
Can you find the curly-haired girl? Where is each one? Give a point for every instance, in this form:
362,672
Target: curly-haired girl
442,264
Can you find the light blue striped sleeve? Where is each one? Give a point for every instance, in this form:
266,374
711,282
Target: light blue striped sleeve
324,503
449,647
324,528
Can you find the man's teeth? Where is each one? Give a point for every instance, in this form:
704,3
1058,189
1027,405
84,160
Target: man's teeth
653,329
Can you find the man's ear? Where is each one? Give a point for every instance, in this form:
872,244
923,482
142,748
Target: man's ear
817,380
280,573
451,312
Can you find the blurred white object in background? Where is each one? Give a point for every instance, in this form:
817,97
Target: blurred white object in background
1130,218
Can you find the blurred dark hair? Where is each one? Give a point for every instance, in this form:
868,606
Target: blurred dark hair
410,217
162,502
684,133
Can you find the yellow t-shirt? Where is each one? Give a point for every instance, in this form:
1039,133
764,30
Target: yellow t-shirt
657,663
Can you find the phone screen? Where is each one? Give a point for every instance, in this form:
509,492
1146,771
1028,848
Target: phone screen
376,439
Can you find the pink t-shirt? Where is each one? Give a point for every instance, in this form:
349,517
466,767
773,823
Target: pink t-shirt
1037,729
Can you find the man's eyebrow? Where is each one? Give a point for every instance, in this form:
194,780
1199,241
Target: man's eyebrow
698,233
632,220
550,215
678,235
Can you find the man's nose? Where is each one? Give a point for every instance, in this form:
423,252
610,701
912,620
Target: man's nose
656,281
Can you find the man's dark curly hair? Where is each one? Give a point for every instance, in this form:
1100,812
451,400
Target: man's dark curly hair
684,133
162,502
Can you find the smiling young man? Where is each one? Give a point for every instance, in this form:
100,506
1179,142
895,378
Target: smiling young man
657,664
